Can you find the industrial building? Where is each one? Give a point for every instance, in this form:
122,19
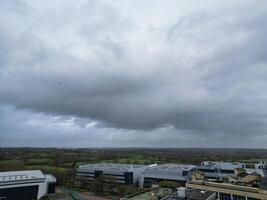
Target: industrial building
122,173
171,172
219,169
26,185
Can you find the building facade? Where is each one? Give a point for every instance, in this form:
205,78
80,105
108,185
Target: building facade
171,172
25,185
219,169
120,173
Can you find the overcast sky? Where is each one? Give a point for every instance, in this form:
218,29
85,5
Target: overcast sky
139,73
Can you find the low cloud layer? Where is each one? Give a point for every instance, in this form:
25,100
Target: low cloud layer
187,72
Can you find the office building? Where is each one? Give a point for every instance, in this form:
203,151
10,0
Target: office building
171,172
121,173
219,169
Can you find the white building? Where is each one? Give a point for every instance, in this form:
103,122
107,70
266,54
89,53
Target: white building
25,185
171,172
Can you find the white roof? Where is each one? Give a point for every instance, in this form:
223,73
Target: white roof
172,167
168,171
13,176
50,178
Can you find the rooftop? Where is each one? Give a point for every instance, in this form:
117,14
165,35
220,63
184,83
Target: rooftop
223,165
172,167
192,195
199,195
50,178
14,176
110,166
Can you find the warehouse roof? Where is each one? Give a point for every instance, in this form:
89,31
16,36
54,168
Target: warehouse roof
14,176
224,165
172,167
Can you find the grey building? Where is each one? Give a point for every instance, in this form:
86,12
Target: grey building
122,173
219,169
172,172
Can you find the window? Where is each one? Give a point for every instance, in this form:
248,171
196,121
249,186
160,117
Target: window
185,173
224,196
227,171
237,197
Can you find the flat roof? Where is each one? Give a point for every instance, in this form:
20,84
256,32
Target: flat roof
13,176
109,166
199,194
228,188
220,164
171,167
50,178
192,195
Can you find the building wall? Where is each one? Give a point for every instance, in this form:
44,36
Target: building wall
20,193
137,174
41,188
121,177
51,188
177,176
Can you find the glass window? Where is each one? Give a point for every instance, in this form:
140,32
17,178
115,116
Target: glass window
224,196
237,197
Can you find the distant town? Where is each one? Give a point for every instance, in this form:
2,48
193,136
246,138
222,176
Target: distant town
132,174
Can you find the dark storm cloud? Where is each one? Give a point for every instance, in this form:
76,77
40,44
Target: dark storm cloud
202,75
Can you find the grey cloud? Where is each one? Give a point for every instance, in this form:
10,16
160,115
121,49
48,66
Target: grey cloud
26,128
202,76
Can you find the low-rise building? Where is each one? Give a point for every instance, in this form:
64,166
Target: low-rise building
227,191
25,185
220,169
191,194
120,173
171,172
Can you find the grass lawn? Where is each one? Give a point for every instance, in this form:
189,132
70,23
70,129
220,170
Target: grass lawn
47,168
39,161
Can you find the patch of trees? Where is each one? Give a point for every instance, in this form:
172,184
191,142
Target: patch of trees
107,185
